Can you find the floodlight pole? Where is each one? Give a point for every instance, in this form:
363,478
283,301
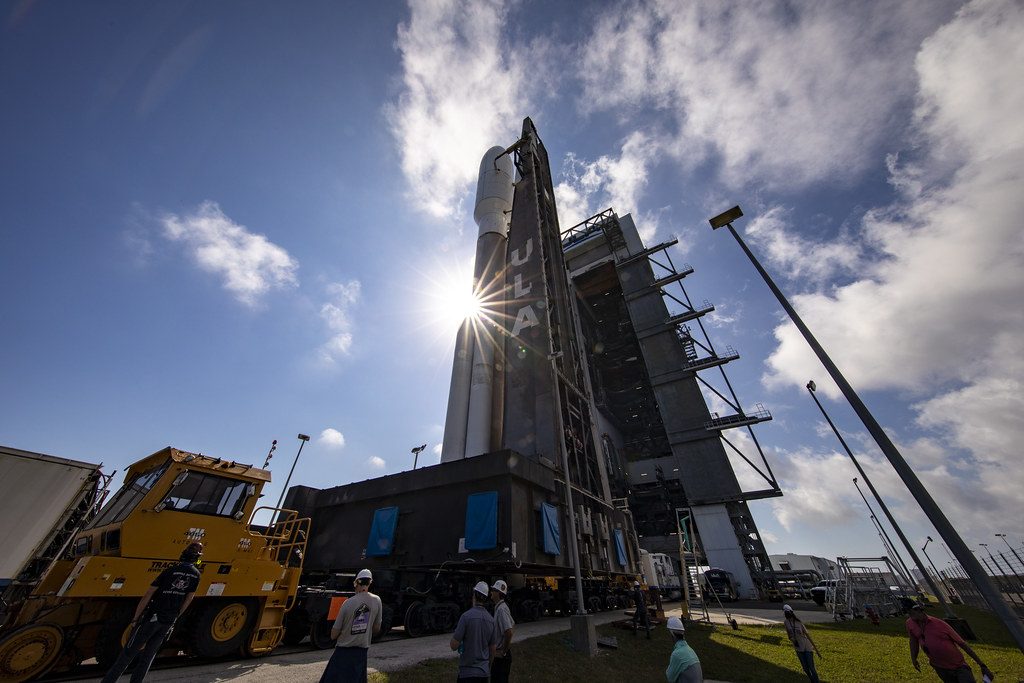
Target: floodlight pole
811,387
416,452
935,515
1003,536
937,574
302,442
999,568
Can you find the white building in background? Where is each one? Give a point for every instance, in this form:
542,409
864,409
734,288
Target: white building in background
799,563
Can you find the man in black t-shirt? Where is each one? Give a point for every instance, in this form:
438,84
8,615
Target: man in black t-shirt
167,598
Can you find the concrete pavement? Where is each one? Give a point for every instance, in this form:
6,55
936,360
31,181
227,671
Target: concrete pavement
301,665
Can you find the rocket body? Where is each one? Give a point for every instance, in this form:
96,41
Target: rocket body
472,399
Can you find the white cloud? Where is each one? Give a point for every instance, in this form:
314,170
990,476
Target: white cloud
830,74
591,187
336,314
332,438
938,315
798,256
464,87
376,462
249,264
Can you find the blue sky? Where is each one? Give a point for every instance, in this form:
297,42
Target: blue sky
227,223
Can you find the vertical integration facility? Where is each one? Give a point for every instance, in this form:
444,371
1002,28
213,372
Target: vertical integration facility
590,353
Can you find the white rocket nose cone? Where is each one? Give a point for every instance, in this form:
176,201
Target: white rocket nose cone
494,191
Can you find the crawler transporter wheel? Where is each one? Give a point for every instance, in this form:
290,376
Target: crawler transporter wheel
415,622
320,634
29,651
386,617
223,626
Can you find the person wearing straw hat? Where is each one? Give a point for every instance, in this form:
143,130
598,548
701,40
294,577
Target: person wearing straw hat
684,666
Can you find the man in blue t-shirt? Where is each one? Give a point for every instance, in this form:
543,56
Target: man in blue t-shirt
478,637
167,599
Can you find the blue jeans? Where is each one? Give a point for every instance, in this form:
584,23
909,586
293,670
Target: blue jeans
149,635
807,661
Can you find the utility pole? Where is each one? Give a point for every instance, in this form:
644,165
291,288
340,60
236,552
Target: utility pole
938,519
302,442
811,388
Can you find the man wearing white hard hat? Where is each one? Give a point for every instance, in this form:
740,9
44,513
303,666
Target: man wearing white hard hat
502,665
476,638
358,621
683,667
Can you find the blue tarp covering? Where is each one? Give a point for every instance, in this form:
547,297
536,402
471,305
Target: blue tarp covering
549,520
620,547
382,532
482,521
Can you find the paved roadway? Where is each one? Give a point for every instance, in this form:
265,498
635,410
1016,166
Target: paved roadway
299,665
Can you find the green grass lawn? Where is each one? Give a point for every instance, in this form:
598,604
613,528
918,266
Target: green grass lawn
854,652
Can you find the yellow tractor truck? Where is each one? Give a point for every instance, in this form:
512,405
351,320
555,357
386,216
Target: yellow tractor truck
82,605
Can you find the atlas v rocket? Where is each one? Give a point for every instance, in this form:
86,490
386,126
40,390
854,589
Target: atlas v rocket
475,394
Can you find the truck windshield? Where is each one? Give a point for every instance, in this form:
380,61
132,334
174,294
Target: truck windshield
128,497
207,494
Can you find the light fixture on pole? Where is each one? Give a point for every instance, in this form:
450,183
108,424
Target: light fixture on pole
416,452
302,439
811,388
935,515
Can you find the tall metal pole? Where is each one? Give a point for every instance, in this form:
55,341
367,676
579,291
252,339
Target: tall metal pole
889,544
302,442
416,453
937,574
1009,586
573,543
881,503
1003,536
935,515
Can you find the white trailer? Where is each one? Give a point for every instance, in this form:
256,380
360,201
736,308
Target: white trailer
44,501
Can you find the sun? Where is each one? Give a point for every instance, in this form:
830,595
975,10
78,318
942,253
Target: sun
449,299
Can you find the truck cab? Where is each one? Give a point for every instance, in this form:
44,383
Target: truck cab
85,601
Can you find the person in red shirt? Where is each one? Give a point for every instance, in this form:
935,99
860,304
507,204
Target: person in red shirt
942,645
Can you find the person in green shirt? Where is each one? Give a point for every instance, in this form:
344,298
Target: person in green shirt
683,667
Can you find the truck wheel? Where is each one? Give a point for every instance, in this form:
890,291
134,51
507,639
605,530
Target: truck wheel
223,626
29,651
113,635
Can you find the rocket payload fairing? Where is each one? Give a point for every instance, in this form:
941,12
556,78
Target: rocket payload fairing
473,396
